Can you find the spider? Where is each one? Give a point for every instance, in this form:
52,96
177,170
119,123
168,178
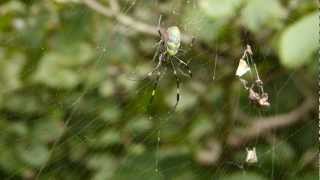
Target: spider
167,50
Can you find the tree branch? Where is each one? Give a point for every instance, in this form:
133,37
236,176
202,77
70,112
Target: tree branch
261,126
126,20
114,5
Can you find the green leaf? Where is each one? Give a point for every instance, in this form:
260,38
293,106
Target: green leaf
24,103
200,128
18,128
75,54
105,166
57,67
8,159
10,68
107,88
136,149
219,9
110,113
50,74
259,14
48,130
13,6
282,155
243,176
202,26
107,138
34,154
307,177
299,42
139,125
136,167
67,1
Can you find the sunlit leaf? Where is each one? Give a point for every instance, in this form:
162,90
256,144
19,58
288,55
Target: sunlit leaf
103,165
259,14
299,41
201,26
107,138
220,9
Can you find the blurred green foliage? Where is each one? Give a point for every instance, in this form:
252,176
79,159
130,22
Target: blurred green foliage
73,106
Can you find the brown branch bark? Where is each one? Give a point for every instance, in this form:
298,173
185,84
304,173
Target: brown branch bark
125,20
263,125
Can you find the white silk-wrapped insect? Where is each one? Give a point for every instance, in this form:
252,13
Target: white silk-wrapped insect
251,156
243,68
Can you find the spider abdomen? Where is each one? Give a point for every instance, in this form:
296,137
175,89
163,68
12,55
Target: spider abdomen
173,40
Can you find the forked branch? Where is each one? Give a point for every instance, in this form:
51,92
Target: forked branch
263,125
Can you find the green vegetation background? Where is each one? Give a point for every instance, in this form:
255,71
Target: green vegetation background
72,105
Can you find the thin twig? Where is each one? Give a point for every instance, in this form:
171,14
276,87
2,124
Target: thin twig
99,8
125,20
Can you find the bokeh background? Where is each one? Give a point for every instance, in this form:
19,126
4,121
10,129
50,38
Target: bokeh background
73,101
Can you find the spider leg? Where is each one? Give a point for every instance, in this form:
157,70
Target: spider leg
155,85
159,21
156,68
185,65
160,59
157,46
177,81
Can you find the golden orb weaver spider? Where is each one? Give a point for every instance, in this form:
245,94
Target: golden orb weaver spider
167,50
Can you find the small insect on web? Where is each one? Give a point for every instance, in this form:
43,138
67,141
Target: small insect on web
256,91
251,156
166,52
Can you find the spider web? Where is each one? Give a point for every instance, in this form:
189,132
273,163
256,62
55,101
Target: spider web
159,152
